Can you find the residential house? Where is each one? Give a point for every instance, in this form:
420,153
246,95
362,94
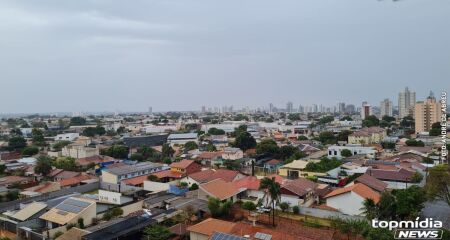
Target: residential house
231,153
350,200
60,174
220,189
296,169
368,135
182,138
67,137
68,212
371,182
273,165
299,192
335,151
9,181
116,174
205,229
208,158
212,174
79,151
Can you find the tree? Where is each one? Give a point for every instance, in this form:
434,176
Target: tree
250,206
267,146
167,150
325,120
218,208
272,190
388,119
369,208
416,177
327,137
346,153
92,131
137,156
193,187
407,122
216,131
245,141
438,183
346,118
12,195
43,165
60,145
152,178
16,143
80,223
38,137
211,148
66,163
30,151
324,165
415,143
77,121
113,213
116,151
435,129
343,135
371,121
284,206
191,145
156,232
302,138
295,209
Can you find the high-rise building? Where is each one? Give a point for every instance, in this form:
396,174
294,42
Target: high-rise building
270,108
203,109
350,109
341,107
150,110
406,101
315,108
386,108
301,109
289,107
366,110
426,113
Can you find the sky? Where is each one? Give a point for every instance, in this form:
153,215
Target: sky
98,55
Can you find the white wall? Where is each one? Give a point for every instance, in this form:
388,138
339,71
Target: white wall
155,186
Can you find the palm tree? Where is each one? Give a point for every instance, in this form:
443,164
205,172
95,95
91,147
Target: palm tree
370,208
271,189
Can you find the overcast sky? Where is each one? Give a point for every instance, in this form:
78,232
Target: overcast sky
179,55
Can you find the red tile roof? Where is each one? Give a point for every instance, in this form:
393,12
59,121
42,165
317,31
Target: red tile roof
211,225
358,188
167,173
209,175
136,180
401,175
74,180
183,164
300,186
249,182
220,189
371,182
94,159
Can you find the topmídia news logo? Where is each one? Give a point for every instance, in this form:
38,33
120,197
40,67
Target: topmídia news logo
418,229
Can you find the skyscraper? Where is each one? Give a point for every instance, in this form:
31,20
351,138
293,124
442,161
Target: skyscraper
386,108
289,107
150,110
270,108
366,110
426,113
341,107
406,101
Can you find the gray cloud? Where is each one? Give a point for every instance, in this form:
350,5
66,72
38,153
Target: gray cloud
178,55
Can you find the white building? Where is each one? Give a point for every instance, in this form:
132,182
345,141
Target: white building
335,151
406,101
67,137
386,108
350,200
182,138
230,153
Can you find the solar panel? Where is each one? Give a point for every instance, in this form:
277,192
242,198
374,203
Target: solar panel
224,236
77,203
62,213
69,208
263,236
